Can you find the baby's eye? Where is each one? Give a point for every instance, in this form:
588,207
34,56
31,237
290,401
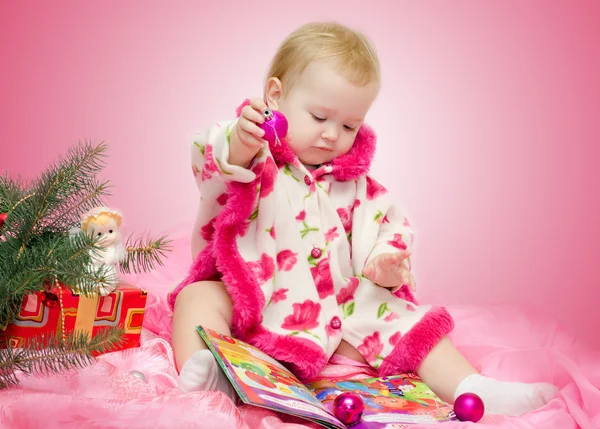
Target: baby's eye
99,234
317,118
110,231
349,128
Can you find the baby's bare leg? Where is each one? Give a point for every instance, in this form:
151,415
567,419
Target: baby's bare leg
203,303
207,304
448,373
444,378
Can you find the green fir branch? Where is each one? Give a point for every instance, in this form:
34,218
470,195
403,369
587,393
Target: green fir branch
86,199
50,354
11,191
50,257
80,190
142,254
53,192
13,287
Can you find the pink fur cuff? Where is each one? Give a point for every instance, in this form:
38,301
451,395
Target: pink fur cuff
418,342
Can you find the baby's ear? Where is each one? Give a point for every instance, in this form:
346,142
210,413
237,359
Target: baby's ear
273,93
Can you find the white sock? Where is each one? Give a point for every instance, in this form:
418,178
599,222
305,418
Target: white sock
507,398
202,372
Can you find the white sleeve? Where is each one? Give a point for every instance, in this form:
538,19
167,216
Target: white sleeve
378,226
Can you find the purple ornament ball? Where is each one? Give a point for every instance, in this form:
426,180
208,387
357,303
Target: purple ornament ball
275,126
469,407
348,408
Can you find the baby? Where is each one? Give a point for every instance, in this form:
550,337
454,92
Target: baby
300,252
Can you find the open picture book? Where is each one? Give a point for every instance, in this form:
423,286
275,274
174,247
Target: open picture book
390,402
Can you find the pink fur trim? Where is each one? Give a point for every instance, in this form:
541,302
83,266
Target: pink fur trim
282,154
357,161
418,342
240,281
302,356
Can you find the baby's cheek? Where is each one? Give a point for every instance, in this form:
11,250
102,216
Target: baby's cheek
345,145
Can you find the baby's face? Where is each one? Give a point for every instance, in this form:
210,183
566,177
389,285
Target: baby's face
324,112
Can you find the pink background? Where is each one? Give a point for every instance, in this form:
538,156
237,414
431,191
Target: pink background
488,123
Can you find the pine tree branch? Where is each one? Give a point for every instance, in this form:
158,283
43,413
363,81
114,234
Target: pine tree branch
11,191
12,293
88,282
142,254
21,201
8,229
38,215
50,354
50,257
80,246
70,180
79,204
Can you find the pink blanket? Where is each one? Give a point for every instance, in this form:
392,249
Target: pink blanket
505,342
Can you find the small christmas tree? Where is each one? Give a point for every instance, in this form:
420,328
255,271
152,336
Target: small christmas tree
38,249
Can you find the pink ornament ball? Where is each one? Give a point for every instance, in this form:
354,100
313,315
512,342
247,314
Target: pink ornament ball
275,126
348,408
469,407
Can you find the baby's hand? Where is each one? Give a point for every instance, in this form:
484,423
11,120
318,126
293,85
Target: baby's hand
387,270
246,139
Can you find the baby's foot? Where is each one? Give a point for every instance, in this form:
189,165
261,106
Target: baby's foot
201,372
507,398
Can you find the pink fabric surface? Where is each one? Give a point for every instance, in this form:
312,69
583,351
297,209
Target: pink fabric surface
505,342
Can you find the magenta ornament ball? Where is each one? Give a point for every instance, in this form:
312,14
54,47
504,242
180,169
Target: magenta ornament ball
469,407
275,126
348,408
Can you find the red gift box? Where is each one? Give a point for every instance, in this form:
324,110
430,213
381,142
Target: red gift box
62,310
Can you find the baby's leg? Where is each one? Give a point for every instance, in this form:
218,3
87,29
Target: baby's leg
207,304
446,371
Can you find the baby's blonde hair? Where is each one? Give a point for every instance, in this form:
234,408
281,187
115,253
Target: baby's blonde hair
349,51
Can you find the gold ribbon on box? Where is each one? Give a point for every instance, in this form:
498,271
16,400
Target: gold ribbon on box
86,313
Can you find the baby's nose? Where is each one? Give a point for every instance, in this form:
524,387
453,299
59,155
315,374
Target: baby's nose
331,134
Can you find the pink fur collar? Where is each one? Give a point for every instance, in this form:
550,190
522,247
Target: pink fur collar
351,166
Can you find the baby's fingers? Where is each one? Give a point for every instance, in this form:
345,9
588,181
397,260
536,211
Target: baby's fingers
258,104
251,114
413,283
369,271
392,259
405,275
251,128
402,255
388,260
250,140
